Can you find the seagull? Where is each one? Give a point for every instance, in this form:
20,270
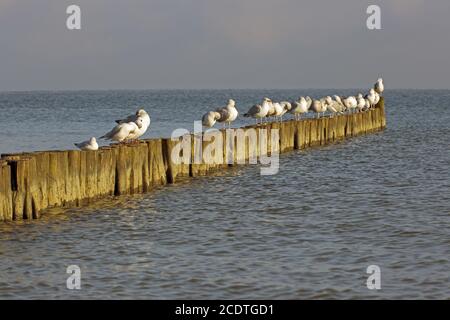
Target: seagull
259,111
209,119
367,106
379,86
267,107
256,111
377,98
371,97
308,101
316,106
337,104
91,144
299,107
324,108
287,106
132,118
229,113
278,110
361,103
338,100
272,111
123,131
144,116
350,103
332,106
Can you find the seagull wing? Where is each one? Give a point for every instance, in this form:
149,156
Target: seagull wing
131,118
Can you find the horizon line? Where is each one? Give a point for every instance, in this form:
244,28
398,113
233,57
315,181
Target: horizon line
203,89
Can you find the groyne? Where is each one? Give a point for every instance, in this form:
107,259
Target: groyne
34,181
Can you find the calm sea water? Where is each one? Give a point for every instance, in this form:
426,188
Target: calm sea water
308,232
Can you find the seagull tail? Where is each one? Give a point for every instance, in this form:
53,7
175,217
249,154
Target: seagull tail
246,115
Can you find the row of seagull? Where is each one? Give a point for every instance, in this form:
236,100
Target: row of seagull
269,109
129,129
134,126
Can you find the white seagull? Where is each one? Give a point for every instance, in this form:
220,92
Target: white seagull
367,106
229,113
278,110
350,103
379,86
257,112
209,119
91,144
377,98
316,106
299,107
308,101
332,106
271,112
361,103
338,100
371,97
287,106
145,118
123,131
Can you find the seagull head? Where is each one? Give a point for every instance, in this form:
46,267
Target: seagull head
216,115
231,102
141,112
92,140
139,122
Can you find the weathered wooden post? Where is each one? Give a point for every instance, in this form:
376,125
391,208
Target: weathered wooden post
106,171
156,167
6,206
197,167
287,135
123,170
175,160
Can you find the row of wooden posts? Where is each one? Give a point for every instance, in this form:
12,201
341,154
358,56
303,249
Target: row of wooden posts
32,182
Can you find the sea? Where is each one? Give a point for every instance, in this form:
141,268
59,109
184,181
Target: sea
315,230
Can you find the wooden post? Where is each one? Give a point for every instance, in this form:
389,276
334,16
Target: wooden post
6,207
156,166
197,167
176,163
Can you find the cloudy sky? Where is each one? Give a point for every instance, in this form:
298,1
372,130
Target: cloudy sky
145,44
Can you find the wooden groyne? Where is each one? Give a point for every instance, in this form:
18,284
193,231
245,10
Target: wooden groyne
32,182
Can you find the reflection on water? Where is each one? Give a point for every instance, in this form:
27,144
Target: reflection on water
308,232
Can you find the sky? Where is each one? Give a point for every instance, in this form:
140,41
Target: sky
196,44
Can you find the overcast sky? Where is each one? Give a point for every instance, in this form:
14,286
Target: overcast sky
131,44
